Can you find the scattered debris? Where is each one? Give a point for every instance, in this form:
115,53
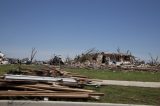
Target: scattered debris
52,84
93,59
56,61
3,60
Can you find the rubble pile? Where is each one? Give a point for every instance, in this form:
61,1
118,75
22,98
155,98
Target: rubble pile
50,83
93,59
122,67
142,67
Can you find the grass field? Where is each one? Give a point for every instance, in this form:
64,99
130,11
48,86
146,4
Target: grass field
5,68
117,75
97,74
121,94
130,95
113,94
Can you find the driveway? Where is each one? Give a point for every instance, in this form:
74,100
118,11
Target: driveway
128,83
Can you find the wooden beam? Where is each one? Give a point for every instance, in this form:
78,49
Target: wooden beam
57,88
38,94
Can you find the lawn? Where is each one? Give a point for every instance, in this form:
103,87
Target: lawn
129,95
96,74
121,94
5,68
117,75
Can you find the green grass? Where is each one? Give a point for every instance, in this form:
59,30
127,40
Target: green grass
97,74
129,95
5,68
117,75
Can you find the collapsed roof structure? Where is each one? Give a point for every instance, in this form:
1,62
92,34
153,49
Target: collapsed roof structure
106,58
117,58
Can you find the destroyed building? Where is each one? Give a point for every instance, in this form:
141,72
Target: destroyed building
3,59
116,58
56,61
106,58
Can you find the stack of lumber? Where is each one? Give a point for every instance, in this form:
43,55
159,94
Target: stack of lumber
52,71
23,88
56,85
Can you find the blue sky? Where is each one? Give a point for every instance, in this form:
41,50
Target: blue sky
69,27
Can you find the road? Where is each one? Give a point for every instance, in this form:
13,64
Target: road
128,83
58,103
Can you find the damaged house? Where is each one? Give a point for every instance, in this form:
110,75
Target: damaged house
105,58
3,59
115,58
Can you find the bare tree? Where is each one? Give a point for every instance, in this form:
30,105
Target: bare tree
91,51
118,50
153,61
68,60
128,52
87,55
33,53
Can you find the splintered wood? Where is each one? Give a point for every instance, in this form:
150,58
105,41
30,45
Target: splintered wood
52,83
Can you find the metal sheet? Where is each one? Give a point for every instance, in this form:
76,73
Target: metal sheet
38,78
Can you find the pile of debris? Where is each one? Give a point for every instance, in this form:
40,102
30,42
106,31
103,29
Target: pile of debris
52,84
3,60
93,59
142,67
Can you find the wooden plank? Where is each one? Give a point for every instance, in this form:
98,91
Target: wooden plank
96,94
37,94
31,88
14,91
58,88
43,90
40,92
